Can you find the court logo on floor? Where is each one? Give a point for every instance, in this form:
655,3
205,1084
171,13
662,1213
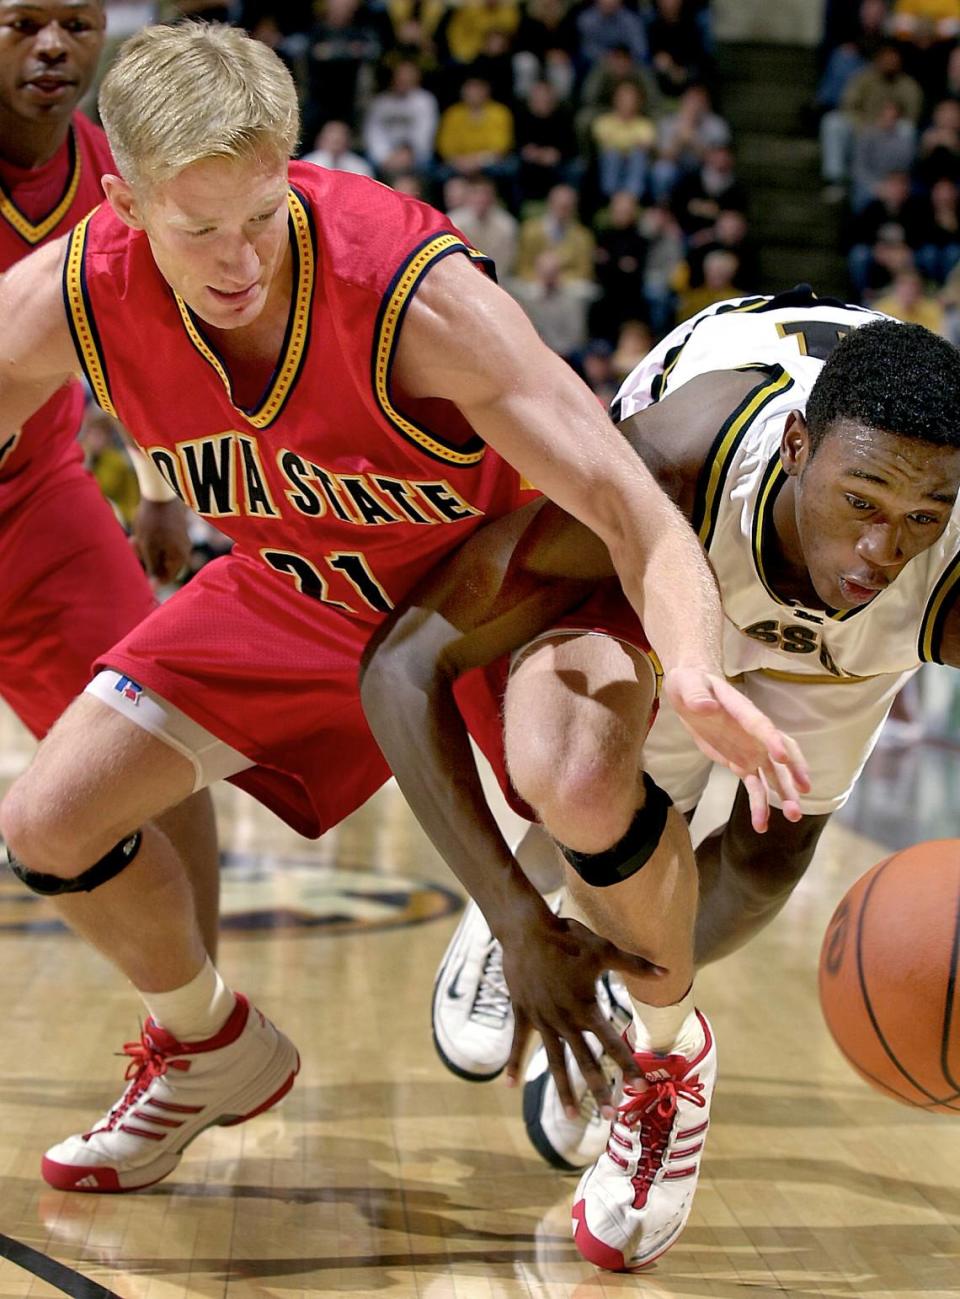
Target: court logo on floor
263,893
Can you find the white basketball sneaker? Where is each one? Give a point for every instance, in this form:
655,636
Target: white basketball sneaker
472,1011
573,1144
175,1090
631,1206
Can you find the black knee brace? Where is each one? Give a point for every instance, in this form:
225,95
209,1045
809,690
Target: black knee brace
616,864
109,865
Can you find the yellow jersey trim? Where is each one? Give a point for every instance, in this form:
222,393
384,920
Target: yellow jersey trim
396,300
294,348
80,317
938,606
34,232
673,356
714,473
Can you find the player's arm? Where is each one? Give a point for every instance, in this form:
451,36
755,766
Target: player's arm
160,524
511,580
465,340
37,355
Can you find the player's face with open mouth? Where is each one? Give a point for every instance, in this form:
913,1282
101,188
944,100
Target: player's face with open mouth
868,502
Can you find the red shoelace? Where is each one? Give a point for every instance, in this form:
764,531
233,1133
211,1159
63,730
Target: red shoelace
146,1063
653,1111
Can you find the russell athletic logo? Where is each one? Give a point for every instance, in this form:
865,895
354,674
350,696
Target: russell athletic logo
128,689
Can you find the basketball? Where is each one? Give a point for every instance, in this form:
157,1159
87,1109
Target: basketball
888,976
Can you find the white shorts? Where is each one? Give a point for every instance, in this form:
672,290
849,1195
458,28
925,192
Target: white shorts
836,726
212,758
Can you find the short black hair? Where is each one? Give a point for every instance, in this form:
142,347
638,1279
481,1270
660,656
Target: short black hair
903,379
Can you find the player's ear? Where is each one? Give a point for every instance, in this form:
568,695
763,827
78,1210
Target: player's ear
795,443
122,199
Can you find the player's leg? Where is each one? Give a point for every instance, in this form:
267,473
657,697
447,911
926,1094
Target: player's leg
69,593
572,751
631,877
81,816
746,879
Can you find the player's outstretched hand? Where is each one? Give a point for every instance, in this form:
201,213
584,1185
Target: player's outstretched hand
161,538
733,731
551,967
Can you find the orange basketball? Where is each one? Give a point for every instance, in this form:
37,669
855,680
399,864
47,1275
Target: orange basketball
889,976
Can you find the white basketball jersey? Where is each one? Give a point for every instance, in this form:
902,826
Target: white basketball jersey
787,339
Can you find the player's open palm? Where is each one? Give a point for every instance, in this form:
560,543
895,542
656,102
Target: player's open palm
551,968
732,731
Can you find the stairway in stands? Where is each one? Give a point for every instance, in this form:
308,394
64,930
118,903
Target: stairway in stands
763,92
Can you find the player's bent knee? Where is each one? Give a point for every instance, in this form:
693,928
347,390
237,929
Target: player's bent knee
107,868
583,804
632,851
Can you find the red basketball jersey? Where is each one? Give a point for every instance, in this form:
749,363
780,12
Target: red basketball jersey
37,205
326,480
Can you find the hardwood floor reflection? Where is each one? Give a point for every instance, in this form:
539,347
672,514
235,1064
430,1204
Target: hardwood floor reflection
381,1174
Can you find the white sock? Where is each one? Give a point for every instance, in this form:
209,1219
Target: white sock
667,1028
196,1011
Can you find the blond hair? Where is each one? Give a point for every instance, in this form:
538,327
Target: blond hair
177,95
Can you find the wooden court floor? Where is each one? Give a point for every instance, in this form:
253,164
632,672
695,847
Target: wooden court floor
383,1175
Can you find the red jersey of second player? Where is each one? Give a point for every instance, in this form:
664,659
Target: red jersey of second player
36,205
326,480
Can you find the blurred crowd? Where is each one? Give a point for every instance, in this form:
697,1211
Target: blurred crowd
888,104
580,143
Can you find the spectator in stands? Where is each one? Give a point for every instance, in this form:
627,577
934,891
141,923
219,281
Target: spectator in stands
487,224
927,30
545,142
604,24
939,250
494,65
332,150
476,134
950,301
633,344
665,252
624,139
408,182
557,305
720,281
471,22
950,86
343,43
888,143
698,199
883,80
894,218
595,366
620,260
842,66
907,300
413,26
544,45
683,138
208,11
107,459
938,154
558,230
677,50
402,116
864,25
597,91
729,233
